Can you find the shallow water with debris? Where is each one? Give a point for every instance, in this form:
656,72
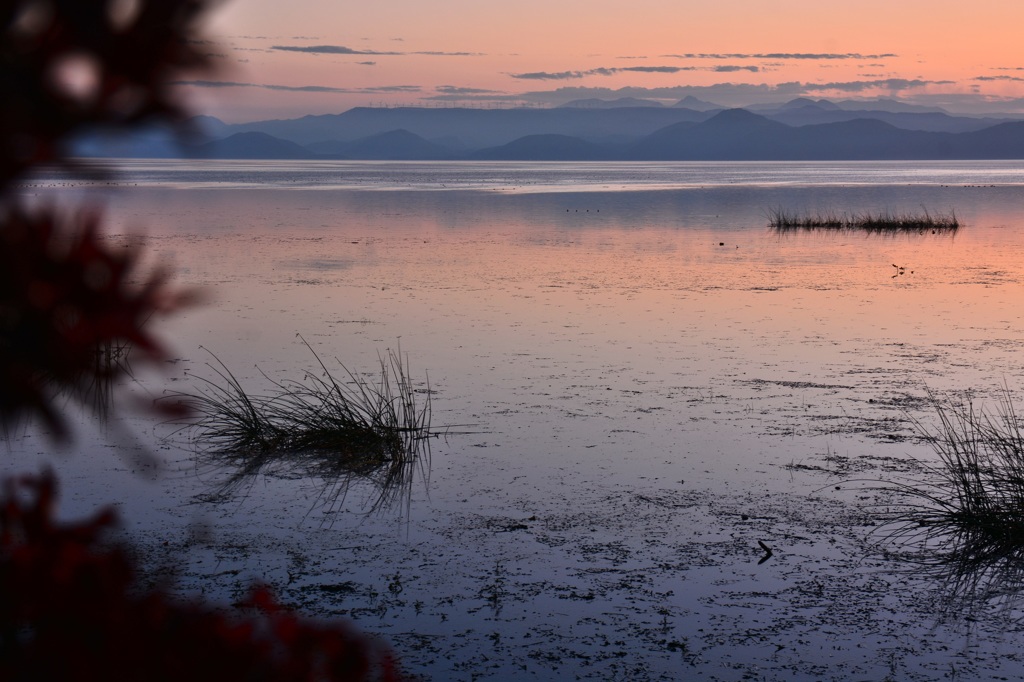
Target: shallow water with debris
645,386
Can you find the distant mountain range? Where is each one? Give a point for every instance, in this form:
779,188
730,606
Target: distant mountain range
586,130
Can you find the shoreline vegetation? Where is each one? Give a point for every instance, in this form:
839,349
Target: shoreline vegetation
341,428
781,221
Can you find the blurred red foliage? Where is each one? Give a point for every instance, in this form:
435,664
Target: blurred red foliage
69,65
69,611
65,295
69,607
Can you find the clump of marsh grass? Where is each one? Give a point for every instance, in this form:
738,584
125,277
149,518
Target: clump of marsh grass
964,521
781,221
340,427
977,487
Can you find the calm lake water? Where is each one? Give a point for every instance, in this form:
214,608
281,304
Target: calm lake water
654,382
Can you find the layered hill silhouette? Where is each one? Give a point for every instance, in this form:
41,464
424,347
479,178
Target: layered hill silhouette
801,129
476,128
546,148
251,145
393,145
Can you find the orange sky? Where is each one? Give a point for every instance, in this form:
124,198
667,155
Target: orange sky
287,59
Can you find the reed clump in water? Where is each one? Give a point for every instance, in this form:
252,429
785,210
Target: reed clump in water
782,221
340,427
974,497
962,524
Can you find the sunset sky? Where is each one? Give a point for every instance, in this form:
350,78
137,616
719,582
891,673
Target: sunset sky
287,59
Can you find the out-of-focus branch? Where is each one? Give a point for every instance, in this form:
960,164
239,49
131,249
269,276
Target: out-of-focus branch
68,65
64,294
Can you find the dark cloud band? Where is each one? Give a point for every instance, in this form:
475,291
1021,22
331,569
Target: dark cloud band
781,55
998,78
610,71
743,92
303,88
341,49
329,49
453,90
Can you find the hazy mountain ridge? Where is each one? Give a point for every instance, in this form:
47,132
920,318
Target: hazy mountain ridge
251,145
393,145
477,128
938,122
801,129
622,102
548,147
